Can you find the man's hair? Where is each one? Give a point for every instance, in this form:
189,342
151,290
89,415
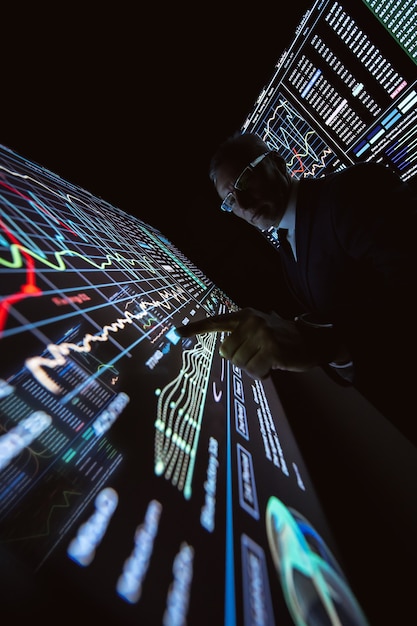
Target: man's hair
239,149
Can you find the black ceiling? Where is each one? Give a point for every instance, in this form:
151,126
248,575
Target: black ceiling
130,104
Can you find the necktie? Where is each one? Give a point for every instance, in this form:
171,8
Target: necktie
278,238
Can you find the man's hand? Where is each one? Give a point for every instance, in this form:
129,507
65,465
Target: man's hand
258,342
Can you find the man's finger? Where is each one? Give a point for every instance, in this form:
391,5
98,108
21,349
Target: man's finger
227,322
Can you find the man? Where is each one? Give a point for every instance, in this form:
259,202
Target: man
350,259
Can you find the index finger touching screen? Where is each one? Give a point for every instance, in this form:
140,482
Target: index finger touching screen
226,322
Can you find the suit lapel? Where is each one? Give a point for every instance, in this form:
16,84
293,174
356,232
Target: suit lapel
298,272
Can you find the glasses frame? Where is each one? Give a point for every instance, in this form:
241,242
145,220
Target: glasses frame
240,183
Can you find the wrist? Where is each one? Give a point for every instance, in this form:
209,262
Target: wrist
320,339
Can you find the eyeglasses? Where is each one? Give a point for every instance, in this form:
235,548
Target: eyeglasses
241,182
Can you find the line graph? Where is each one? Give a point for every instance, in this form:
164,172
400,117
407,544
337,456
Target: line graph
86,290
283,128
37,365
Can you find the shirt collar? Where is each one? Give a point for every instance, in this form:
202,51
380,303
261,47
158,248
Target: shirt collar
288,219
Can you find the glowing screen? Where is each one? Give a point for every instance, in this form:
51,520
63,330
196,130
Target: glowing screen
140,474
345,90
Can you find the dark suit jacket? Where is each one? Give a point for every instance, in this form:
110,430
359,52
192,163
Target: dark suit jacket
356,238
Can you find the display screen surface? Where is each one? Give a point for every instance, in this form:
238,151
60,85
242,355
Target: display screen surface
345,90
141,475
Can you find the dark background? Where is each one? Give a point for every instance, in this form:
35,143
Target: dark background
129,101
130,104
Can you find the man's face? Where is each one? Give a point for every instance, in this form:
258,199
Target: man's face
263,201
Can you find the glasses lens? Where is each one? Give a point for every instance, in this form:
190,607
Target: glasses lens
228,202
